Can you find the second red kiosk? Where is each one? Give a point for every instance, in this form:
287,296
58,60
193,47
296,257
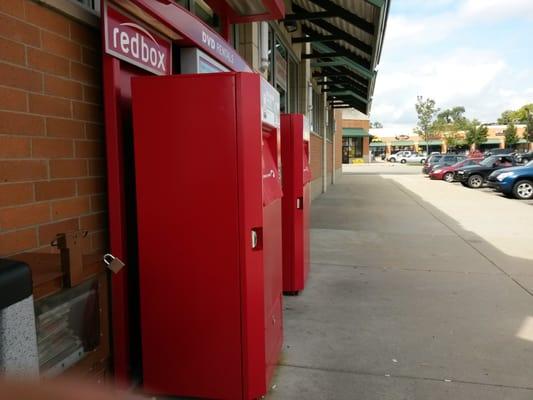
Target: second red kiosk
295,156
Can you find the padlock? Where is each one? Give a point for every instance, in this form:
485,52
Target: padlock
115,264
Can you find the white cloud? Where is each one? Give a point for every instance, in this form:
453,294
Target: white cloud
444,54
496,9
448,79
438,26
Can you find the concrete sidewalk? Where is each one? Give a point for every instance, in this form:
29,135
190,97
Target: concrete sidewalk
404,302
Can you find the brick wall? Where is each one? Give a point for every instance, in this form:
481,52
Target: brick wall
338,152
338,139
329,159
51,134
356,123
316,156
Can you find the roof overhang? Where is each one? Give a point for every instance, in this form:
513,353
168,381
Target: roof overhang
240,11
346,39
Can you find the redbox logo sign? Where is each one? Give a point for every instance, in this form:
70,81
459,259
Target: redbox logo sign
131,42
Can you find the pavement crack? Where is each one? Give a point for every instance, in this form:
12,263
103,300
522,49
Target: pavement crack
391,268
404,376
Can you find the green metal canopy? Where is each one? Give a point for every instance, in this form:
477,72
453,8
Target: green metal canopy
346,38
355,132
378,144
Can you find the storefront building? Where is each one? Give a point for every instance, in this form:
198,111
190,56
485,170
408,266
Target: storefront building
59,60
353,125
389,140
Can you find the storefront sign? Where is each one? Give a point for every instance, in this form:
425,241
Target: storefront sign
130,41
194,31
270,105
402,137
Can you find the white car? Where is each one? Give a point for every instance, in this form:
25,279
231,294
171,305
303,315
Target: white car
413,158
399,155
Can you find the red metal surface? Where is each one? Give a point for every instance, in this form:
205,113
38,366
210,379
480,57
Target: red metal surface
194,32
450,168
276,11
210,303
111,71
296,176
117,106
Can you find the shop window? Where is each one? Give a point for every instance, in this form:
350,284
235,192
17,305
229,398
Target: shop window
281,73
317,113
330,124
93,5
352,148
293,98
202,10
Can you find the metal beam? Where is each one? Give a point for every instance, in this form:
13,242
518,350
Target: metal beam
344,85
362,80
323,55
315,38
346,15
309,15
332,46
376,3
359,44
352,60
349,93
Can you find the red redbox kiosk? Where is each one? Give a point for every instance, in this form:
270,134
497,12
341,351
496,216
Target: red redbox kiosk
296,202
209,228
148,37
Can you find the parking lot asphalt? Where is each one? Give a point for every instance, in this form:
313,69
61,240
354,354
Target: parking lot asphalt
419,289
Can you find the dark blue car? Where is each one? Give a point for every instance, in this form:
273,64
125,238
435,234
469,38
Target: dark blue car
516,181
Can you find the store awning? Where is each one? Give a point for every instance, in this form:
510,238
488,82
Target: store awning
430,143
378,144
402,143
355,132
346,38
492,141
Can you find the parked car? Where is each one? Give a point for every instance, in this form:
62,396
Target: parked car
446,172
430,162
446,160
524,157
474,176
498,152
417,158
515,181
398,155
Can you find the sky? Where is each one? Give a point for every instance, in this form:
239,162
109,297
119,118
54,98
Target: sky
472,53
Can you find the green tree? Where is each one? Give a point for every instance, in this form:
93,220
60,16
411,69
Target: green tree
506,117
426,111
476,133
511,137
448,123
376,124
519,116
452,139
528,134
